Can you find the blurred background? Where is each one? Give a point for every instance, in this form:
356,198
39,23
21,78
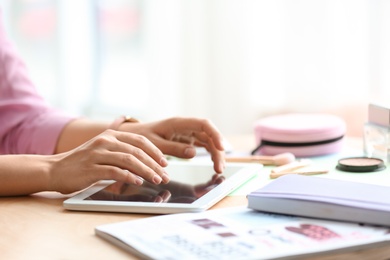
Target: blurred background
232,61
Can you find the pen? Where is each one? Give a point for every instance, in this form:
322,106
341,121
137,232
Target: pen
279,159
292,166
275,175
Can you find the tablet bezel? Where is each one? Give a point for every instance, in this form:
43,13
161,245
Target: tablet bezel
242,173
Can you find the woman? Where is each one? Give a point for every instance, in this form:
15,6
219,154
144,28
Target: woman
46,150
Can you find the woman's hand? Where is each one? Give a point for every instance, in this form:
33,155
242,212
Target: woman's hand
179,136
112,155
131,155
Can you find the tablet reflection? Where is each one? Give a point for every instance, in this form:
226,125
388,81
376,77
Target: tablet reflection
172,192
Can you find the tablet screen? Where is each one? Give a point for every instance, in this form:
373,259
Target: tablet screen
194,186
185,190
173,192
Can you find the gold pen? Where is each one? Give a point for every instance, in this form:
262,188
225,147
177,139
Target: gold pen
275,175
279,159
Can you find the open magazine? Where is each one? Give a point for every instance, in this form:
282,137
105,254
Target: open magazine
237,233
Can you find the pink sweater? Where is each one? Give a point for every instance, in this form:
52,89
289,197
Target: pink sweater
27,123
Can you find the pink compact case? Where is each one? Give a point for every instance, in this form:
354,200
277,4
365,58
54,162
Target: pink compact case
302,134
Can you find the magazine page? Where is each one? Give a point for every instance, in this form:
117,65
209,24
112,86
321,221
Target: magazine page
236,233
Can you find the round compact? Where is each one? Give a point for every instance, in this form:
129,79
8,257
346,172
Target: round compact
302,134
360,164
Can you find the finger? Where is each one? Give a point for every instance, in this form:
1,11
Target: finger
144,144
130,151
109,172
183,146
217,156
188,151
137,162
218,178
163,196
184,139
108,150
191,125
177,149
209,137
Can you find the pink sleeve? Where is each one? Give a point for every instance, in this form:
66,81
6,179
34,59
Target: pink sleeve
27,123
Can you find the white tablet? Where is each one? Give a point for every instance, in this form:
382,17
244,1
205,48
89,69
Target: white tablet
193,187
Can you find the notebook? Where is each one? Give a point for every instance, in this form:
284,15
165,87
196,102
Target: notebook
312,196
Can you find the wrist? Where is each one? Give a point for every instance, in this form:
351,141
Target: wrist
121,120
51,163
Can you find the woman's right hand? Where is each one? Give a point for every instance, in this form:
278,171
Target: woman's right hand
112,155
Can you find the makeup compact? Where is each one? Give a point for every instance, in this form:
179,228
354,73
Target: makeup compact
302,134
360,164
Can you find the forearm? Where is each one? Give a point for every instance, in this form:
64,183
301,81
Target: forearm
78,132
24,174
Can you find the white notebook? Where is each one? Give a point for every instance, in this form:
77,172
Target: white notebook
311,196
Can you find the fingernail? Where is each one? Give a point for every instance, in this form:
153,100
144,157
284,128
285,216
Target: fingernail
157,179
189,152
138,181
163,161
165,178
221,166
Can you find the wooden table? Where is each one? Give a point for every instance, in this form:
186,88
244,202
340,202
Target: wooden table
38,227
